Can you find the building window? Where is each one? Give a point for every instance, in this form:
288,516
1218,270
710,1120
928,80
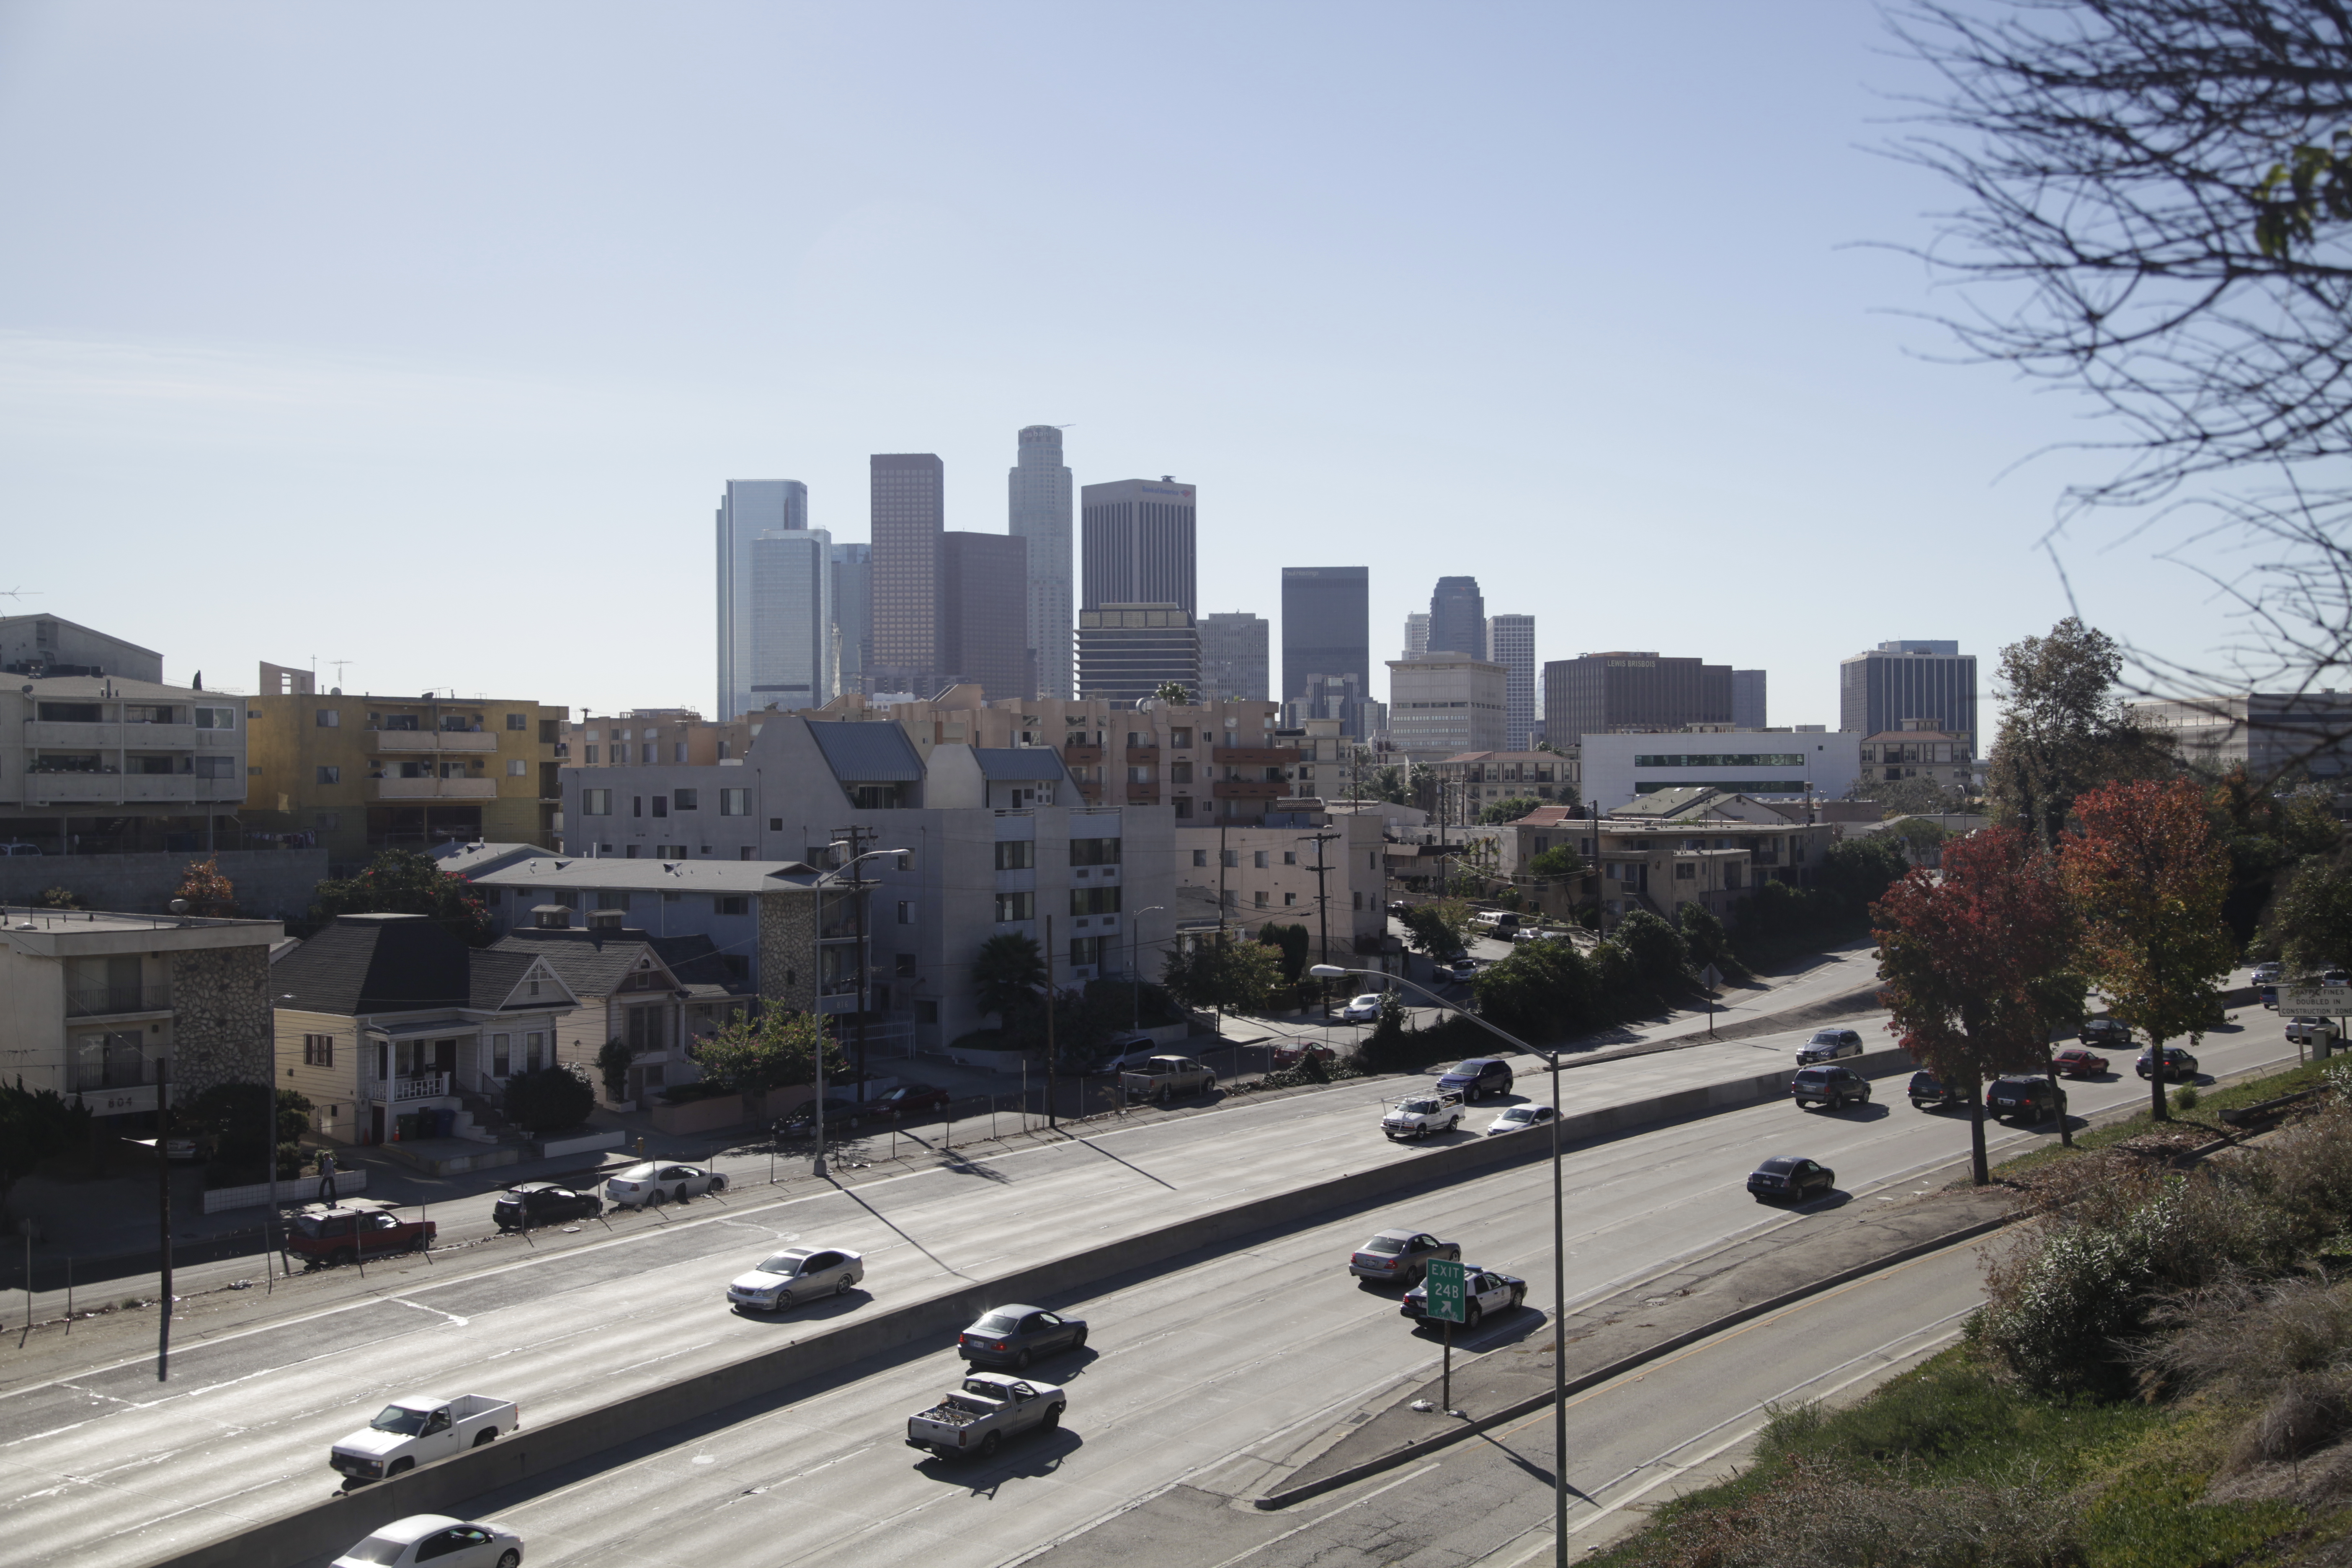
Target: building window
1360,901
329,719
677,751
775,825
1015,854
686,799
216,767
501,1062
517,768
906,911
588,753
1684,871
732,904
329,820
1094,900
734,802
637,805
1017,907
661,806
1231,857
612,902
330,774
518,721
1259,899
1199,857
1094,851
318,1050
1290,857
1257,859
534,1051
216,718
1088,949
595,801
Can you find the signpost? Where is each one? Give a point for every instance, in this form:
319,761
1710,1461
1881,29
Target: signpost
1446,1287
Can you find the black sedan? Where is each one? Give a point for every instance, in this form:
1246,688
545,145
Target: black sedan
1014,1336
1790,1179
534,1204
841,1111
2179,1066
2108,1032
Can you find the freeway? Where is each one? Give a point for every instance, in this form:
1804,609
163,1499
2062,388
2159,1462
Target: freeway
1195,1366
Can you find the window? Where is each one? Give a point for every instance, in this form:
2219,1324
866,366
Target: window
1094,851
775,825
1199,857
1139,775
732,904
216,767
686,799
744,853
216,718
318,1050
595,801
661,806
644,1028
518,721
534,1049
1179,738
677,751
588,753
904,966
1016,854
330,774
329,820
518,768
500,1059
1257,859
611,900
1094,900
734,802
637,805
1288,899
906,911
1088,949
1360,901
1232,857
650,752
329,719
1290,857
1016,906
1259,899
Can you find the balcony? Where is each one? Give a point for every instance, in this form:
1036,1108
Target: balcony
1248,789
419,1085
1249,756
1143,756
106,1001
433,789
61,789
109,735
409,742
1075,756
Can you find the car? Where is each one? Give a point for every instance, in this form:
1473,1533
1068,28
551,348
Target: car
657,1183
1016,1335
1828,1044
795,1274
906,1099
2023,1097
1834,1087
1364,1009
1476,1078
1400,1256
1461,970
2076,1061
1419,1115
1483,1291
2267,995
842,1111
1162,1078
437,1538
1926,1090
19,848
360,1230
1519,1118
418,1429
1496,922
2111,1032
1791,1178
1124,1052
975,1420
1399,907
1289,1053
2269,972
543,1203
2307,1031
2178,1065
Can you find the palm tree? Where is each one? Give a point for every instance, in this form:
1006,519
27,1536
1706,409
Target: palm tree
1007,973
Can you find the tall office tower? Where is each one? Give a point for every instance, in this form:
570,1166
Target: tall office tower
982,639
1457,617
1748,699
1127,652
1597,692
1908,679
909,515
1139,543
1416,634
1040,511
748,509
1326,629
1511,643
1232,656
853,614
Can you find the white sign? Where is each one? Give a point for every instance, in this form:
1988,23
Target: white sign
2314,1001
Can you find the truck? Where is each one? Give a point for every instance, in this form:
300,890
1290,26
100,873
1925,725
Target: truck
1165,1078
1419,1115
419,1429
356,1230
977,1417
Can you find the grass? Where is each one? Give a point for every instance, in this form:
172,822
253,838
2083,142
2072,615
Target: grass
2209,1105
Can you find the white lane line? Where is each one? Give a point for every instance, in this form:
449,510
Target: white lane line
1324,1518
436,1312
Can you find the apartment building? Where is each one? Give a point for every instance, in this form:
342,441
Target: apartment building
1257,874
1476,779
108,764
1919,749
48,646
1706,851
2271,734
643,737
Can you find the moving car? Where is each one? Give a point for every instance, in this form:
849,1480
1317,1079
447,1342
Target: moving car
1519,1118
1364,1009
2078,1061
1400,1256
1421,1115
1828,1044
1476,1078
657,1183
1834,1087
543,1203
2109,1032
2305,1031
2269,972
419,1429
795,1274
2020,1097
1926,1090
1016,1335
1164,1078
362,1228
1498,922
1483,1291
1463,968
842,1112
976,1418
1790,1178
437,1538
1291,1052
2179,1066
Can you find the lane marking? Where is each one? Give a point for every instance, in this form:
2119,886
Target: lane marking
1324,1518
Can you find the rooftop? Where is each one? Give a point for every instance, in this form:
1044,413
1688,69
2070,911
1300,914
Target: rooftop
667,876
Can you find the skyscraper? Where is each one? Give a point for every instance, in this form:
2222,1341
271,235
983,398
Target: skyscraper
1232,656
1457,617
1139,543
1748,707
748,510
1127,652
1909,679
1327,628
853,614
909,515
983,638
1416,634
1039,487
1511,643
1597,692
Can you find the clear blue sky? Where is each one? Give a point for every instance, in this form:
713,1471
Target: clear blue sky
424,336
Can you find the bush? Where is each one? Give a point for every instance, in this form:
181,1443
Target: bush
1541,990
1657,950
232,1119
36,1125
2185,1098
550,1099
613,1060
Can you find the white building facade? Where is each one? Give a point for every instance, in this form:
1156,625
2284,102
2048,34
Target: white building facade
1769,764
1443,704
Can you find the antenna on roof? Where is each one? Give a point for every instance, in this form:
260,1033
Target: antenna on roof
19,593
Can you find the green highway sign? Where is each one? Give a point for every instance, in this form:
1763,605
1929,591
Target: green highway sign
1447,1286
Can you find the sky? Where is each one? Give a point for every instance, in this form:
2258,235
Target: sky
420,340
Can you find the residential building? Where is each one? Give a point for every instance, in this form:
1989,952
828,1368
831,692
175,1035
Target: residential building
1919,749
1416,634
749,908
1457,619
1712,853
1258,874
764,595
1909,679
2271,734
657,996
1232,657
48,647
1598,692
1748,707
1785,763
648,735
853,615
1039,510
1139,549
1474,781
106,765
1327,630
1511,643
1128,652
983,641
1442,704
909,514
97,1005
360,773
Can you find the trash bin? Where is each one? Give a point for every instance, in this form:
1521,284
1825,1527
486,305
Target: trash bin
404,1127
444,1122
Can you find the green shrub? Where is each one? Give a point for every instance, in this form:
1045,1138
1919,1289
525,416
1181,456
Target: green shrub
550,1099
1658,953
2185,1098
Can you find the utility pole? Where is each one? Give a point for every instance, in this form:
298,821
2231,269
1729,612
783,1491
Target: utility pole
164,1215
1600,871
857,838
1050,1124
1322,907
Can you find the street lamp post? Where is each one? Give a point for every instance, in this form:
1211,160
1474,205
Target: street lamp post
816,977
1559,1257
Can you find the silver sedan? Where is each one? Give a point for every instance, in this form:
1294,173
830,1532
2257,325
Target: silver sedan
796,1274
657,1181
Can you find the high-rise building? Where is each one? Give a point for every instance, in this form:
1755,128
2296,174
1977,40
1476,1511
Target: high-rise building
1128,652
1748,699
1039,487
1338,698
852,615
1138,545
1598,692
750,510
1511,643
1326,629
1442,704
1909,679
1457,617
982,576
908,502
1416,634
1232,656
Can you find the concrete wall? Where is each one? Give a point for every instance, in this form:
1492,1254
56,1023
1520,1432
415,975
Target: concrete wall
270,883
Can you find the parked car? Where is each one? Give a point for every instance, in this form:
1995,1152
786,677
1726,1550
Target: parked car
795,1274
653,1181
2180,1067
419,1429
1496,923
1399,907
1476,1078
1483,1291
2078,1061
19,848
978,1418
1400,1256
1791,1178
1164,1078
1828,1044
360,1230
842,1112
543,1203
2110,1032
1291,1052
1834,1087
2305,1031
1519,1118
2023,1097
906,1099
1926,1090
1364,1009
437,1538
1463,969
1420,1115
1124,1052
1016,1335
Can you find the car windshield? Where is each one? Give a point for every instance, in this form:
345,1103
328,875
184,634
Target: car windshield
997,1323
1519,1113
783,1263
399,1418
376,1549
636,1173
1776,1167
1370,999
309,1225
1385,1245
1826,1037
1418,1106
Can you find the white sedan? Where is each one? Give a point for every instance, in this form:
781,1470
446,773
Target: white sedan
795,1274
656,1183
1364,1009
1519,1118
437,1538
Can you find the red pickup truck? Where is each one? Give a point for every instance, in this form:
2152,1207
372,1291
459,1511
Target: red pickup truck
357,1230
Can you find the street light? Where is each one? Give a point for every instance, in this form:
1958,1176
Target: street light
816,977
1559,1257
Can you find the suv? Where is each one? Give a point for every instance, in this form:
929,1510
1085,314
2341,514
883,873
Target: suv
1165,1078
2178,1065
2105,1032
1927,1089
2020,1098
1419,1115
1476,1078
1828,1044
1830,1085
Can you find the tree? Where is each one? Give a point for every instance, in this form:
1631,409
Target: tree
403,883
775,1050
1855,874
1008,972
1510,810
1173,694
1222,974
237,1120
36,1125
1558,862
613,1060
2147,882
2065,730
1544,988
1440,926
59,897
1702,932
1974,961
1655,949
206,889
550,1099
1906,797
2312,920
1293,942
1390,785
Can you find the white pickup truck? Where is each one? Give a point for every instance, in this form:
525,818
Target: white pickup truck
1419,1115
990,1407
420,1429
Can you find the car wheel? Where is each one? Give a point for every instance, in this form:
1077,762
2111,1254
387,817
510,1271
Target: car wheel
1210,1086
1052,1418
989,1444
841,1286
485,1436
401,1467
682,1194
657,1200
717,1184
1021,1361
783,1299
1078,1340
1472,1314
1161,1098
345,1255
510,1558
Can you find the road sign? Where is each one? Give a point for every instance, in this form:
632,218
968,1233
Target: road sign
1446,1285
2314,1001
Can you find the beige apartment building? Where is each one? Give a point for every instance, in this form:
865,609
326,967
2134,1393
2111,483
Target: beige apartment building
1256,874
1476,779
1918,751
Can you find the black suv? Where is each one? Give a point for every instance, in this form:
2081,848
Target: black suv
2021,1098
1927,1089
2178,1065
1830,1085
2105,1032
1476,1078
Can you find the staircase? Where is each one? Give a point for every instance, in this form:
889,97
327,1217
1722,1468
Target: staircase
488,1123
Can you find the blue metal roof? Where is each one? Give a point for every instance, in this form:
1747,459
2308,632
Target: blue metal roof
868,752
1019,763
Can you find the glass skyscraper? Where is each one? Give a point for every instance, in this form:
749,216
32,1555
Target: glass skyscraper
1039,488
1327,632
775,599
1457,617
1511,643
1140,544
909,506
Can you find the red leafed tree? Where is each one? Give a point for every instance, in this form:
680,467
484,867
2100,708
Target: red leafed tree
2147,880
1975,963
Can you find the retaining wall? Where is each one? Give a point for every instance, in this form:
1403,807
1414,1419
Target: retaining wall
290,1190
